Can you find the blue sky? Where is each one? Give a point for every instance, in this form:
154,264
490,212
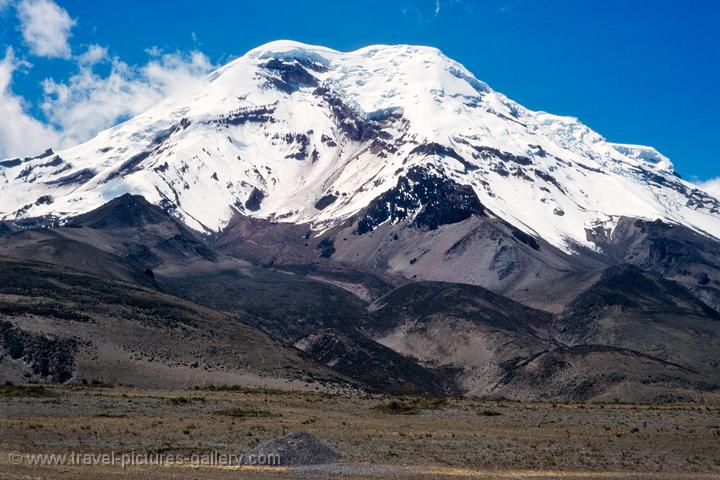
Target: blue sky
645,72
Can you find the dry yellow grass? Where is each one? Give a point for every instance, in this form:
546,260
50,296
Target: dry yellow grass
459,438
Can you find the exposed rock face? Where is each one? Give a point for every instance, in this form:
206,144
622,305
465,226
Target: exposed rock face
48,358
429,197
288,76
254,200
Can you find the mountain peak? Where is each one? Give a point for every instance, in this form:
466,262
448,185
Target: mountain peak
281,47
305,134
285,46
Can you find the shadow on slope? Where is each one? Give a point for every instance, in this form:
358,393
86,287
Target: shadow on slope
87,328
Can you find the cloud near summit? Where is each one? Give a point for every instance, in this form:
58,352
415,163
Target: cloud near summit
75,109
46,28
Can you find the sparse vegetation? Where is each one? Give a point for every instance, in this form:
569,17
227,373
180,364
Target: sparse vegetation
490,413
411,406
9,389
420,431
238,412
238,389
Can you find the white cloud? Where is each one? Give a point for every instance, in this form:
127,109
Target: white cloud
45,28
711,186
94,54
20,133
87,102
77,109
154,51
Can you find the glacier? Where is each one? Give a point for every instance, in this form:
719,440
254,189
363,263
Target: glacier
298,133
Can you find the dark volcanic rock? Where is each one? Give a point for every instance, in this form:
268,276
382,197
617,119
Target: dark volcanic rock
241,116
151,235
44,200
79,177
442,151
28,171
129,166
297,448
11,163
302,141
254,200
356,126
125,211
440,200
326,247
325,201
488,153
289,76
124,321
47,357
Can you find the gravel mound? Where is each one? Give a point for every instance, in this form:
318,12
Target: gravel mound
296,448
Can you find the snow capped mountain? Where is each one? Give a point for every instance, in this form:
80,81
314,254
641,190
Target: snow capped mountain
298,133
